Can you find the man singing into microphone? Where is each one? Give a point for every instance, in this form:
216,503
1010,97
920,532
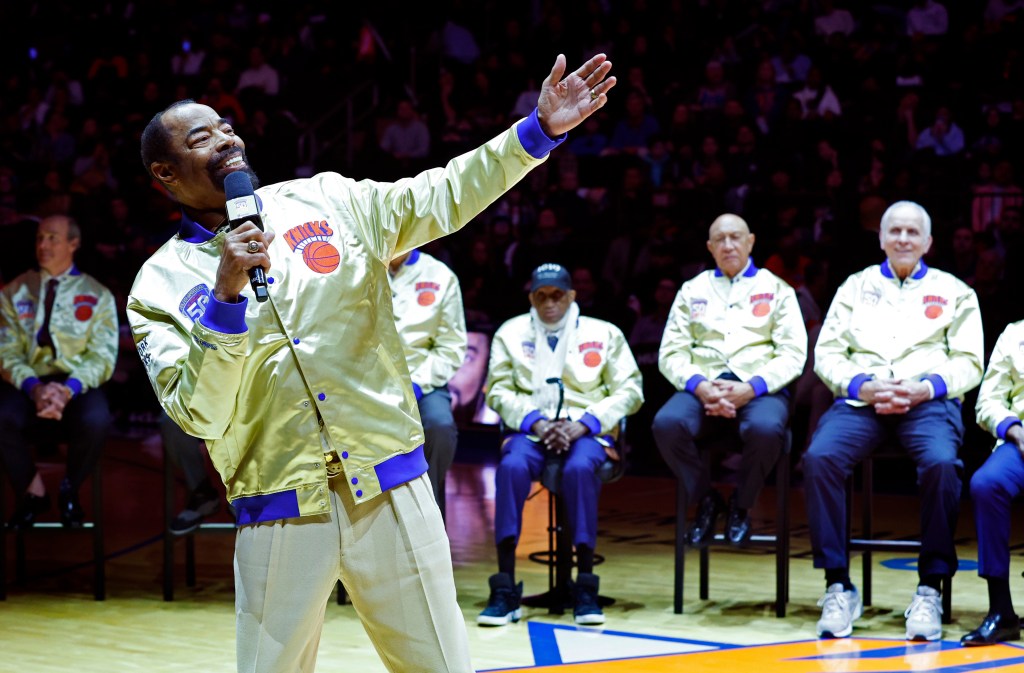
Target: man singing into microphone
313,383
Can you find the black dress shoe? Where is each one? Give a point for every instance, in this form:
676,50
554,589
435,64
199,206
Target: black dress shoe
703,527
71,513
737,527
29,507
996,628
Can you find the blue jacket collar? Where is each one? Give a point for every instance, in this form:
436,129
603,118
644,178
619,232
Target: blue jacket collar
919,271
193,232
749,271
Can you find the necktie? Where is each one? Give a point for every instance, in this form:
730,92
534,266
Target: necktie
44,338
552,341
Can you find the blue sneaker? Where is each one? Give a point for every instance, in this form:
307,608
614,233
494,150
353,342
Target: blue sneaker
503,604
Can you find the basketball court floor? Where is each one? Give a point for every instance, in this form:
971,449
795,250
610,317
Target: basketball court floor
51,623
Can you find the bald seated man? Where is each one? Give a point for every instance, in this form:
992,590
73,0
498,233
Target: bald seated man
900,346
735,339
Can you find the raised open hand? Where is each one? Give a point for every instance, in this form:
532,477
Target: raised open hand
564,103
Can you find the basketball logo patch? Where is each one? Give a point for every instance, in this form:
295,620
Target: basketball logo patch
84,304
762,304
592,353
311,241
426,292
933,306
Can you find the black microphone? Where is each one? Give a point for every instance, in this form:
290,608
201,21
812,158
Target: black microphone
241,207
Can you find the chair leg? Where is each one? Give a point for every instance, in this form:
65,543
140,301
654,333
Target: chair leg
3,536
704,562
680,564
564,559
947,600
168,538
867,491
782,532
190,560
98,553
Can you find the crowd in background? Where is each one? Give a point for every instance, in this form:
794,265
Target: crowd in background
806,117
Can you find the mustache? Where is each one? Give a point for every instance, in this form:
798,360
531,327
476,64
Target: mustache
217,159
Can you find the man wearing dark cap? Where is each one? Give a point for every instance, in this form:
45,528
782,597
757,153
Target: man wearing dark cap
561,382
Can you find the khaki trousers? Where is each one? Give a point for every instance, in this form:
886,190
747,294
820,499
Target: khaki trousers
392,556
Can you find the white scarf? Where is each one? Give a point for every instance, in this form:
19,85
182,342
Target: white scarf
549,363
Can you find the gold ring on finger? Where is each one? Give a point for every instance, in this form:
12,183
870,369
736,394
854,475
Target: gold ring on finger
593,94
253,247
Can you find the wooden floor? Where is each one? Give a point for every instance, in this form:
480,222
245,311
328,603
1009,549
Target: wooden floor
51,623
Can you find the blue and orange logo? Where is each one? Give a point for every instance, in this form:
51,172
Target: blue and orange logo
933,305
84,306
311,240
762,303
426,293
592,353
26,309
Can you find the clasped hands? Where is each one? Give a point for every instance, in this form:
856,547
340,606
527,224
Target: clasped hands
722,397
558,436
894,396
50,400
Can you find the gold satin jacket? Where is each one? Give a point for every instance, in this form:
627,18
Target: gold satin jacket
1001,398
430,320
749,326
602,381
273,386
83,327
926,328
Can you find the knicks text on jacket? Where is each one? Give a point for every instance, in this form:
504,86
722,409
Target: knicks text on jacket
592,352
311,241
762,303
933,305
426,292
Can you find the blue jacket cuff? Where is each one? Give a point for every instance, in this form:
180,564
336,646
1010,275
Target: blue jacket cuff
75,385
759,386
417,391
938,384
533,138
592,424
530,419
28,384
853,392
224,317
1005,425
693,382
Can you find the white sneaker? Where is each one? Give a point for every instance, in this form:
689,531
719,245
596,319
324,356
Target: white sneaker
838,610
924,616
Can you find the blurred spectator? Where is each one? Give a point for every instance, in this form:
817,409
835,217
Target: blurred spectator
260,75
817,99
632,133
928,18
223,102
406,139
833,19
716,90
791,66
991,197
943,137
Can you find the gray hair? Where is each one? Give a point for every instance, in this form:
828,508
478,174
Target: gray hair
926,220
